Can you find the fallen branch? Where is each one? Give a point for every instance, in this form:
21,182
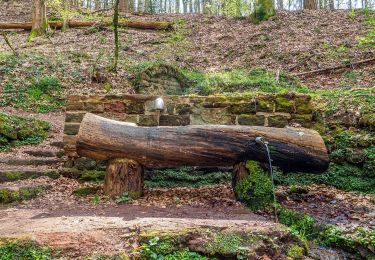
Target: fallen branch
153,25
318,71
7,41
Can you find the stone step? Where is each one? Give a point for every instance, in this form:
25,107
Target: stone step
45,153
31,161
14,174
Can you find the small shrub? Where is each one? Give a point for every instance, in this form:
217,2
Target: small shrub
295,252
264,9
300,224
24,249
256,189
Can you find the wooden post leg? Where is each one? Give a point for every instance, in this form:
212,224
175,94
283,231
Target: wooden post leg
124,175
240,172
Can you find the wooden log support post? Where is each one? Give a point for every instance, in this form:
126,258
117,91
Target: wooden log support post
124,175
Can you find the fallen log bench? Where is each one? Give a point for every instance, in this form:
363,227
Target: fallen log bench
130,148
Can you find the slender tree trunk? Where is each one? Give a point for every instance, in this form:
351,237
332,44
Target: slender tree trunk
331,4
124,6
309,4
66,7
97,4
177,7
115,25
39,19
280,4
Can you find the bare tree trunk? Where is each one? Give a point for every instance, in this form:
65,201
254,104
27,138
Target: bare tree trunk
115,25
124,6
177,7
331,4
280,4
309,4
39,19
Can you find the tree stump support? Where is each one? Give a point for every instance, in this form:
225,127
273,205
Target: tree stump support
240,172
124,175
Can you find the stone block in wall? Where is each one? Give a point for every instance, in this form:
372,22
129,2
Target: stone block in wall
71,128
69,140
285,103
83,163
243,108
174,120
216,116
120,117
94,107
115,106
303,120
74,116
148,120
216,105
135,108
303,104
367,120
277,121
265,103
256,120
71,106
183,109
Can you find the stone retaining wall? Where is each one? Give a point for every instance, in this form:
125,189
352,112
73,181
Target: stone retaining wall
277,110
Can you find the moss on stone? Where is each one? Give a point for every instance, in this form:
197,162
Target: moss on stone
277,121
93,175
85,191
15,130
14,176
284,104
256,189
24,193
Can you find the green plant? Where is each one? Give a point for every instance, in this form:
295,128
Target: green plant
23,249
16,131
255,190
24,193
300,224
123,198
96,200
295,252
85,191
264,9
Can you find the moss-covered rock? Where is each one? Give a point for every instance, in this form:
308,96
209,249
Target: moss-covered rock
85,191
15,130
23,193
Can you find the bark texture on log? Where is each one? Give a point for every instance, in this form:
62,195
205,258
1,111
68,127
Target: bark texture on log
124,175
201,145
154,25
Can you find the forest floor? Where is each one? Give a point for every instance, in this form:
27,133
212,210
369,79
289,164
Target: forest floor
209,44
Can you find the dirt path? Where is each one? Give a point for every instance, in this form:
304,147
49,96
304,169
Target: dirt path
78,227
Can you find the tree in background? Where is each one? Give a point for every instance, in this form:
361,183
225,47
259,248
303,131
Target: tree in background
263,10
115,30
39,19
309,4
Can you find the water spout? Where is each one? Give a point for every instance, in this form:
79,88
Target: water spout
261,141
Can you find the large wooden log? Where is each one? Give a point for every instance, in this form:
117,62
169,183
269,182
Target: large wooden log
205,145
154,25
